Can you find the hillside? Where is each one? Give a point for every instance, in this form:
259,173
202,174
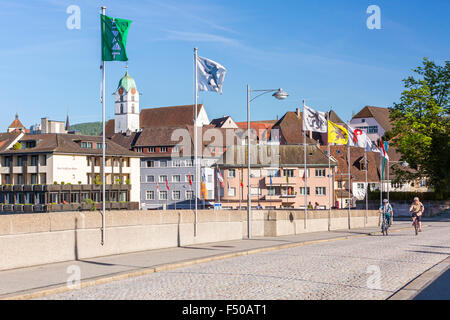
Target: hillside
88,128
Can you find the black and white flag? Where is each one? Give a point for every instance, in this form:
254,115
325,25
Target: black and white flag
314,120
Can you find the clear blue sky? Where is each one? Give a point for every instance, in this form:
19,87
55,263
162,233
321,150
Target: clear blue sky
320,51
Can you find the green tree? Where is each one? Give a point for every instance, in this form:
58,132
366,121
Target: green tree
421,130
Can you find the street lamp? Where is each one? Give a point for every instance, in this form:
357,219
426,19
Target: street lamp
279,94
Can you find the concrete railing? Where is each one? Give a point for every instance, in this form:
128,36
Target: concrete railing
34,239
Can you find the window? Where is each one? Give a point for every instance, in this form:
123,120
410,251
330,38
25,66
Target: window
363,120
33,178
272,172
232,173
8,161
189,163
149,195
210,178
162,178
271,191
340,184
176,195
132,108
163,195
255,191
151,164
6,179
231,192
189,195
19,179
176,178
360,186
255,173
372,129
176,149
99,145
163,149
151,149
176,163
210,194
150,179
288,173
34,160
302,191
186,178
320,173
163,164
121,107
74,198
89,145
132,98
320,191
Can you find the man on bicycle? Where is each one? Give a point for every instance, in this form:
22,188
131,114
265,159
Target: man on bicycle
386,211
416,211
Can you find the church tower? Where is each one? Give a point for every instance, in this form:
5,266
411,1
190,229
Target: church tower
126,106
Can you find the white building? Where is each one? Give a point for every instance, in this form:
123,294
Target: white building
373,120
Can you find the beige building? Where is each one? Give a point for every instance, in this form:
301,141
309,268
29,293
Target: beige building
66,159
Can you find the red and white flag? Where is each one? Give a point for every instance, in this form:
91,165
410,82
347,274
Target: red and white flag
167,184
220,178
190,180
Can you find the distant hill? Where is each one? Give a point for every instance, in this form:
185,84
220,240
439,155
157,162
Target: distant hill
88,128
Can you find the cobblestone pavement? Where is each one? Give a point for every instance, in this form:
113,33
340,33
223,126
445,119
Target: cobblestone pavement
335,270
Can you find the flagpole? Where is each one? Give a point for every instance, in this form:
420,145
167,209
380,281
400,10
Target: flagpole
349,184
367,187
388,183
249,200
103,144
305,173
329,187
195,142
381,183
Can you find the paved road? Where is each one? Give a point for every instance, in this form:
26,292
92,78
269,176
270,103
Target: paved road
348,269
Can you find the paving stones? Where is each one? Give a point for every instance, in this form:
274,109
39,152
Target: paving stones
335,270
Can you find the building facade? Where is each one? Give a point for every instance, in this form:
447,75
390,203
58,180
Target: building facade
278,185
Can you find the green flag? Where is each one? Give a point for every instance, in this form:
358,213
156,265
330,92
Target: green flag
114,38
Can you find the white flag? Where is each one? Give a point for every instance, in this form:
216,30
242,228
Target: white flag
314,120
357,137
210,75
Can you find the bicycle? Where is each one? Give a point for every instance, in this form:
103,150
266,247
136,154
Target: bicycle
385,225
416,226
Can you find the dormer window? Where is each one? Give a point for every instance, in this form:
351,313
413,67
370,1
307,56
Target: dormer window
363,120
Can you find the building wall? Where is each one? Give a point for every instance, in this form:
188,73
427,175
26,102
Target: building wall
183,186
296,200
357,123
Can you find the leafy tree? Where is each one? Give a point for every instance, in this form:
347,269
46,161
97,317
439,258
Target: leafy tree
421,129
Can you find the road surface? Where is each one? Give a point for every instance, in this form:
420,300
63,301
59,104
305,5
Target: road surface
373,267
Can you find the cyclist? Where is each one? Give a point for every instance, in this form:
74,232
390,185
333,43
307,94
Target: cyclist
386,210
416,211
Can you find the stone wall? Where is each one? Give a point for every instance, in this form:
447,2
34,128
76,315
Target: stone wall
34,239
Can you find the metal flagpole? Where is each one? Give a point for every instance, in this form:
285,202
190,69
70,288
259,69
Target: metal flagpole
367,187
195,142
381,184
388,183
305,173
349,185
329,187
103,144
249,200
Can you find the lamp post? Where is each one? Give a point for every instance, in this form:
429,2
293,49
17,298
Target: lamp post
279,94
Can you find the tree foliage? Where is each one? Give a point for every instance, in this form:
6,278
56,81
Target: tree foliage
421,131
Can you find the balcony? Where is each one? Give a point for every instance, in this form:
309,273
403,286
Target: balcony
280,181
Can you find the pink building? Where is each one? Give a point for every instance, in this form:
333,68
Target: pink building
279,184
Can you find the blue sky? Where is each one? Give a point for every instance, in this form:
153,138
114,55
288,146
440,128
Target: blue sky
320,51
